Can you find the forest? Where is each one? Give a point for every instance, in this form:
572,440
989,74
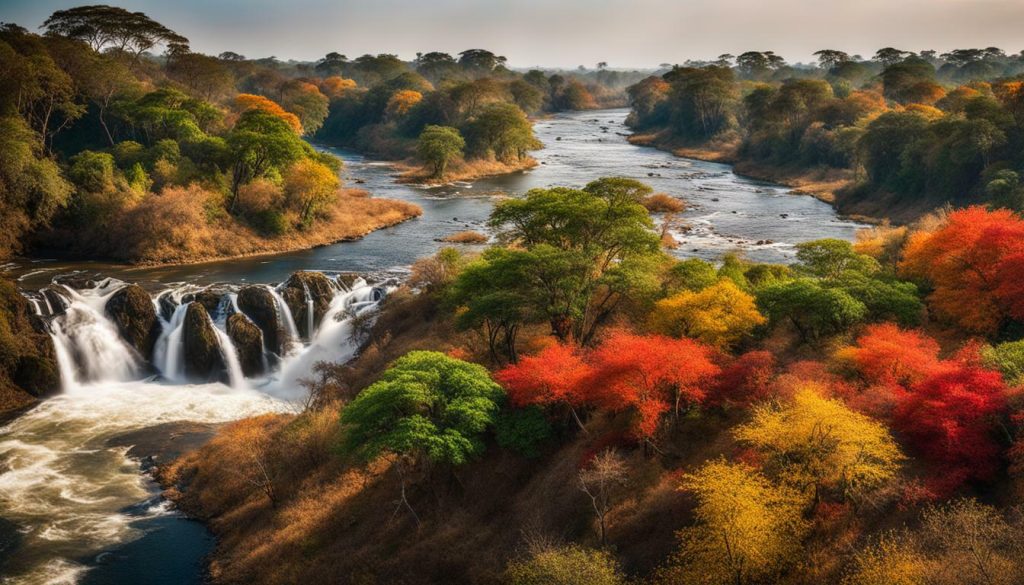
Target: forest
121,143
566,397
893,136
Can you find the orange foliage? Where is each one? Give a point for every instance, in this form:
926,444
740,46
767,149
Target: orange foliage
248,101
336,86
886,354
403,101
974,261
555,375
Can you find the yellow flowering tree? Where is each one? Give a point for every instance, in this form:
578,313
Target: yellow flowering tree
815,443
720,315
748,529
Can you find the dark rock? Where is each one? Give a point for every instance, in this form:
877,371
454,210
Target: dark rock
167,306
56,298
203,362
248,340
319,289
133,312
29,369
209,299
258,304
75,281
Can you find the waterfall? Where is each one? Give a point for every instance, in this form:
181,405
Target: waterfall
309,312
284,314
335,340
169,352
88,345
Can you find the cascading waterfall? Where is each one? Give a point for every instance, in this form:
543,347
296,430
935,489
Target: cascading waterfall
310,317
61,475
284,314
88,344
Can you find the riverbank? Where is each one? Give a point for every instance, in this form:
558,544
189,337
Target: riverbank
461,171
823,183
171,241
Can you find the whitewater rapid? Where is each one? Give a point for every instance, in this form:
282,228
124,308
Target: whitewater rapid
66,479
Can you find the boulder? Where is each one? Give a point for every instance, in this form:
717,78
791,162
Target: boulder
258,304
209,299
133,312
319,288
28,363
248,340
203,362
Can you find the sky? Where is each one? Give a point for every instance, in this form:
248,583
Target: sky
569,33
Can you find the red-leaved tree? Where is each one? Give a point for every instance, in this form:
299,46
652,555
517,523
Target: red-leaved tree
555,376
747,379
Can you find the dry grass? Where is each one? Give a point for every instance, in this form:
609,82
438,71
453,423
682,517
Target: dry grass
819,182
663,203
462,170
172,228
466,237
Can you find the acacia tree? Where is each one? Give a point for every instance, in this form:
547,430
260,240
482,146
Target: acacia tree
580,251
259,142
438,146
111,27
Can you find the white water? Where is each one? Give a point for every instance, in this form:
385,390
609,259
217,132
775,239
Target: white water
284,314
63,482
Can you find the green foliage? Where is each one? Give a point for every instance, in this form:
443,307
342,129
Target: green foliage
692,274
813,309
502,131
92,172
831,258
259,143
568,565
523,430
440,145
1008,358
425,404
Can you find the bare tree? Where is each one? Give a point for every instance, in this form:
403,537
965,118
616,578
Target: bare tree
602,481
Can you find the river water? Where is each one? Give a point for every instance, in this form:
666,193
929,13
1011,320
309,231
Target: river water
727,212
74,507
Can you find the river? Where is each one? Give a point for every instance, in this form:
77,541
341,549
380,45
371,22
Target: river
74,507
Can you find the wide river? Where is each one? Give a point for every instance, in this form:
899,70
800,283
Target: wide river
727,212
74,507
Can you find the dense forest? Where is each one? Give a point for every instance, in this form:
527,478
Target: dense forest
119,142
572,405
896,135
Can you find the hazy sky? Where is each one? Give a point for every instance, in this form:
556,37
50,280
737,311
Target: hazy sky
625,33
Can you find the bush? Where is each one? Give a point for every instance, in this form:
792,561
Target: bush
523,430
567,565
663,203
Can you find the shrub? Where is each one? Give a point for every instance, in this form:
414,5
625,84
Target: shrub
523,430
663,203
567,565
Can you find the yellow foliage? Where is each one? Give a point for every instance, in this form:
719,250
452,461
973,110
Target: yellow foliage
310,186
336,86
887,562
719,315
817,443
748,529
882,242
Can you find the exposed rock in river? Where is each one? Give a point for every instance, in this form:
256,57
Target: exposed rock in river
132,311
248,340
258,304
299,290
203,361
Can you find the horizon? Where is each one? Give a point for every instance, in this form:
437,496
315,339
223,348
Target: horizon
528,33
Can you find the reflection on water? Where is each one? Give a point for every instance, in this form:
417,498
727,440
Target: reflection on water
727,212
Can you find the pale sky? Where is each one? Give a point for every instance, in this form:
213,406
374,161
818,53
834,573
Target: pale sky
567,33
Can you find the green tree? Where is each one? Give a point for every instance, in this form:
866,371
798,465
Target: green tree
813,309
426,404
110,27
438,146
259,142
831,258
581,251
501,130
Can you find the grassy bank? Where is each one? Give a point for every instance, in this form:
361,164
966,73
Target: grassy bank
461,171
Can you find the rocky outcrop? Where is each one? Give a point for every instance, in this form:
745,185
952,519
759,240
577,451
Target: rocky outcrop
133,312
209,299
321,291
248,341
258,304
203,361
28,363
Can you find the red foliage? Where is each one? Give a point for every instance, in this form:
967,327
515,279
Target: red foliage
976,264
649,375
746,379
555,375
950,417
886,354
